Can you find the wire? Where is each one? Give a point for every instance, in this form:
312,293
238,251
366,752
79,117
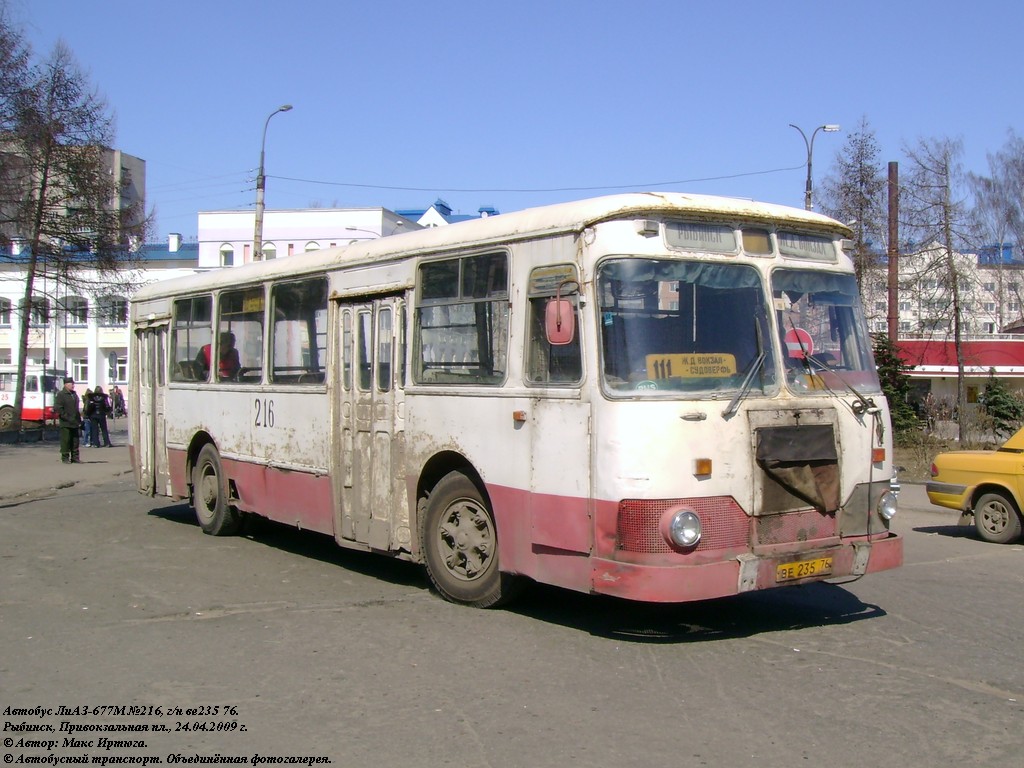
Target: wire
533,190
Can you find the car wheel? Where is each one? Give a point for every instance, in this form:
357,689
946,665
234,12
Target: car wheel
996,519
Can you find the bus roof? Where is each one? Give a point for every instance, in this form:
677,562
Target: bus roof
517,225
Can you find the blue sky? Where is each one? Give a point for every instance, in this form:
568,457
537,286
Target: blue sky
525,102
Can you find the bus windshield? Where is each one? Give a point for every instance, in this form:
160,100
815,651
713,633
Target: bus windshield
822,328
676,326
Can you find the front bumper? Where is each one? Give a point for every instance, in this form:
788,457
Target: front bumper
682,583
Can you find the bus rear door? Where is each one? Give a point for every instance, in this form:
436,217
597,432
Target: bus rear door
369,428
148,433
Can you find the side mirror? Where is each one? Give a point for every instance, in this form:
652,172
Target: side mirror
560,322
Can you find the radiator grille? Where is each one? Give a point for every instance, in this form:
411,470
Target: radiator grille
806,525
724,524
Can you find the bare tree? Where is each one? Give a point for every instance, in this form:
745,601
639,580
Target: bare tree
999,210
933,203
14,72
64,200
854,192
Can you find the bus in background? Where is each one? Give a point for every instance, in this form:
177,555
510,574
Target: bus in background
661,397
41,387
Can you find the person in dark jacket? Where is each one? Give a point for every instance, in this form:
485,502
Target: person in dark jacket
69,417
98,409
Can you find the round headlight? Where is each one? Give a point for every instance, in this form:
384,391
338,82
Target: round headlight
887,505
681,528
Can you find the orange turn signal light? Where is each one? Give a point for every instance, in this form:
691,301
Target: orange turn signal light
877,455
702,466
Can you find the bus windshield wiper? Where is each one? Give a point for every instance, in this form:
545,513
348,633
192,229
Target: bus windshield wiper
748,380
862,405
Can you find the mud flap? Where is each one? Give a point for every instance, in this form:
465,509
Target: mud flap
861,555
748,573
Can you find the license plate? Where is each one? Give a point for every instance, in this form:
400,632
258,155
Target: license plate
820,566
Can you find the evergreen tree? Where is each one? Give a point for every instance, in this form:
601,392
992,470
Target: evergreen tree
1005,410
892,374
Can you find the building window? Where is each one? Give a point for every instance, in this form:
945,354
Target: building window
227,255
5,313
988,327
80,369
76,311
113,311
312,245
269,251
880,306
118,371
39,313
989,307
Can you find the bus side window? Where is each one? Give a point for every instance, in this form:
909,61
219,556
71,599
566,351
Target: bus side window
192,329
298,347
461,323
547,363
240,336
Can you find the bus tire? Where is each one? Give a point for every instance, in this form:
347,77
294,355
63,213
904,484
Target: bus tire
210,495
460,545
996,519
6,417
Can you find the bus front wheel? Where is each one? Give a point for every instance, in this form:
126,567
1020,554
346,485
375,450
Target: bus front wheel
210,494
460,544
6,417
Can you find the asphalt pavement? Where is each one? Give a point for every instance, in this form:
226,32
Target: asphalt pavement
33,469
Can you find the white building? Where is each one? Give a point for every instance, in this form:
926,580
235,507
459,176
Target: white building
80,325
226,237
85,331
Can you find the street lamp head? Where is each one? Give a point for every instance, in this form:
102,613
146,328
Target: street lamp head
287,107
830,128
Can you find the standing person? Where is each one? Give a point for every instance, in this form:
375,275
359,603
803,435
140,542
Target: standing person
117,400
69,416
98,410
87,437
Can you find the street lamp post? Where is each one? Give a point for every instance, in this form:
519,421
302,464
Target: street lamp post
827,128
261,185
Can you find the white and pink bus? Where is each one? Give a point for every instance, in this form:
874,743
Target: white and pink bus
661,397
41,387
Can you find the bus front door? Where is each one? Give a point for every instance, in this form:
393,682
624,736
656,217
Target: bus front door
370,430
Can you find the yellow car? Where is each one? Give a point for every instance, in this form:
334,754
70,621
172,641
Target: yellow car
987,484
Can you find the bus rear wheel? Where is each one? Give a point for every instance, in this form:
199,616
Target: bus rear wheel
210,495
460,545
6,417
